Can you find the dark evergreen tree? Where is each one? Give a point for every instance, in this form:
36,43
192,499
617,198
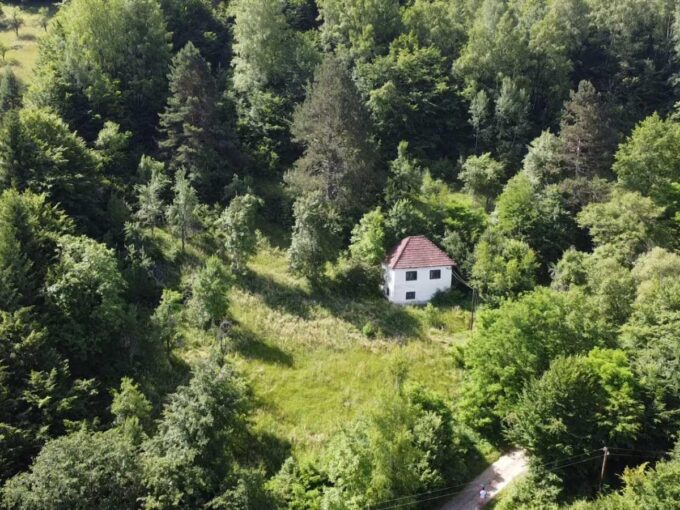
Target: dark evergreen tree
188,122
333,127
586,133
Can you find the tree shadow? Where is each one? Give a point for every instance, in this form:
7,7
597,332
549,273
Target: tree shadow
267,449
250,346
391,320
286,298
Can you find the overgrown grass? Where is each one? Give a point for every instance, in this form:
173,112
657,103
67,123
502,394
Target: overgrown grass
311,366
23,51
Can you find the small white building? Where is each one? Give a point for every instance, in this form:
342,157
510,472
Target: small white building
415,270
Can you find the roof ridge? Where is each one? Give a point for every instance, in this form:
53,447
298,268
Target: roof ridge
402,249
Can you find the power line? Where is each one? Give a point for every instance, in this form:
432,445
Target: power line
378,506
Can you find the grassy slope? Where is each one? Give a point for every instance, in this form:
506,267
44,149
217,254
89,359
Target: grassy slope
311,367
23,51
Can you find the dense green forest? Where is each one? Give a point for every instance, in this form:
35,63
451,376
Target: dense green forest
195,199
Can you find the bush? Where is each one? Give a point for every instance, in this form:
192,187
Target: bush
351,278
370,330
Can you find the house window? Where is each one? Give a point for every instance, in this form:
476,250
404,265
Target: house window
411,276
435,274
410,295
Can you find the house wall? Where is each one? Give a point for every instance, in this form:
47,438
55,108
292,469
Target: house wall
395,281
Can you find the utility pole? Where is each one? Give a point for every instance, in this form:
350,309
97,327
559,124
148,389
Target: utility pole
472,310
604,465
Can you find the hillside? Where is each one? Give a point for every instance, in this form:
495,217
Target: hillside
23,50
196,201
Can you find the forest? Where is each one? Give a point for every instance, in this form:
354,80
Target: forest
195,200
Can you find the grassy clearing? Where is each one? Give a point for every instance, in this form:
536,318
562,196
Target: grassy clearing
23,51
311,367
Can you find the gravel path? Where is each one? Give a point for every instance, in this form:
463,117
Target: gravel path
494,478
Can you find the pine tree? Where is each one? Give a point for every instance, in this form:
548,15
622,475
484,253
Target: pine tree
181,213
331,124
586,134
189,117
150,202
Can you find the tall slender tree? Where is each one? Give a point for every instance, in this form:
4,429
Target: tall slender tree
188,122
181,213
332,125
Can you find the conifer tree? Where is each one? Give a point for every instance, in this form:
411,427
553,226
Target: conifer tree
181,213
586,134
150,202
331,124
189,117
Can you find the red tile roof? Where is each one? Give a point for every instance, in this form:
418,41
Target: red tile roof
417,251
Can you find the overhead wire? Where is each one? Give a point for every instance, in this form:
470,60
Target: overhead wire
378,506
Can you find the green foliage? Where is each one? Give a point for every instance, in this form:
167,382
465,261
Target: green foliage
315,236
15,21
93,470
39,152
333,127
150,195
192,459
113,149
482,177
544,163
362,29
129,403
181,214
368,238
538,489
405,178
409,445
535,216
515,343
654,488
237,227
503,267
406,89
554,416
648,161
10,91
209,288
586,134
188,123
268,54
166,318
84,293
625,226
104,59
38,398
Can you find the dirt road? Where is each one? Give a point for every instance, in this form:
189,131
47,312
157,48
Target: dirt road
494,478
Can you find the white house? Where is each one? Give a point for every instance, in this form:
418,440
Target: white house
415,270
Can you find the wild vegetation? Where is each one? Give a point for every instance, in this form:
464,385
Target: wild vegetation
195,199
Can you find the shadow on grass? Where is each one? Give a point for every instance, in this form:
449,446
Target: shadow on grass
250,346
392,320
